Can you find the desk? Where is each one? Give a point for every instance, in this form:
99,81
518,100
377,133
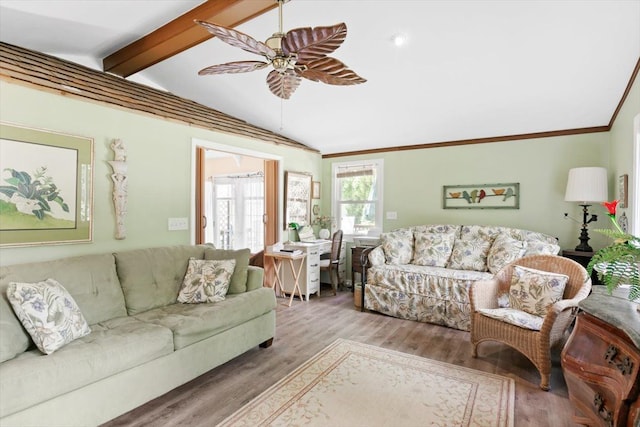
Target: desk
310,273
277,258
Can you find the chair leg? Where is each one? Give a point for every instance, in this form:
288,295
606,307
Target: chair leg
544,381
334,284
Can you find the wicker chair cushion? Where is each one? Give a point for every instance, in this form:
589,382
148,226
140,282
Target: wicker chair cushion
533,290
514,317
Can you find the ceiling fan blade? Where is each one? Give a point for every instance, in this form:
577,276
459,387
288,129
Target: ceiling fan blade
314,43
238,39
233,67
283,85
330,71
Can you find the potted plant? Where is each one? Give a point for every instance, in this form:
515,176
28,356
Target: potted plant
619,263
324,222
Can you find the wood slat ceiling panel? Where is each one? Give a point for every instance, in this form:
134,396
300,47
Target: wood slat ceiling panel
48,72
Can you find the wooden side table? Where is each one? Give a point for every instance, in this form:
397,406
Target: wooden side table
583,259
601,362
356,265
277,258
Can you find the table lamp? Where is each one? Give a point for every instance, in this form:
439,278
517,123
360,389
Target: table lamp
586,185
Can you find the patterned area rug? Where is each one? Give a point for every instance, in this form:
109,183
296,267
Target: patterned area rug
354,384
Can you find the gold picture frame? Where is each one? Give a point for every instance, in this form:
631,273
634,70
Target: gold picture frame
315,189
297,198
46,182
623,191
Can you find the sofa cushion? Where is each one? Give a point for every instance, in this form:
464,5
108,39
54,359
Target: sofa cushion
398,246
206,281
433,249
534,290
191,323
113,346
514,317
90,279
469,255
241,256
504,250
48,313
151,278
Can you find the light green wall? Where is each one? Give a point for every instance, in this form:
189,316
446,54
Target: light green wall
621,149
414,180
159,156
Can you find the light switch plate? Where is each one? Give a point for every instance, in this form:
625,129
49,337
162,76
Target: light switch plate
176,224
392,215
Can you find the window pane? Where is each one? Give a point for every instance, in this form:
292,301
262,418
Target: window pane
357,218
358,188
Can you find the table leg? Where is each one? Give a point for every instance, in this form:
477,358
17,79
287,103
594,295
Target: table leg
296,285
277,265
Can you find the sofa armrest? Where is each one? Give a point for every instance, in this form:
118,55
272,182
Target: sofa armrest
255,277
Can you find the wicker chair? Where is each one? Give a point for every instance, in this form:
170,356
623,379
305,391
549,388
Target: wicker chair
536,345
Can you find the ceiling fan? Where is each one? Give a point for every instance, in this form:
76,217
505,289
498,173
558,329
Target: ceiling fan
301,52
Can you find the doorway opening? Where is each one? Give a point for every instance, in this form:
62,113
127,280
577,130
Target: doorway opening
236,197
234,201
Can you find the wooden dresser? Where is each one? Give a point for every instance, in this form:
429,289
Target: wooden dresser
601,362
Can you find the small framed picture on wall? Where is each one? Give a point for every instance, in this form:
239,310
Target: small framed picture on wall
623,193
315,189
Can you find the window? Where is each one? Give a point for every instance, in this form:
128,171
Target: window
357,197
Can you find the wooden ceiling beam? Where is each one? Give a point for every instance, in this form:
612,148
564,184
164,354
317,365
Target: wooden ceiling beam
182,33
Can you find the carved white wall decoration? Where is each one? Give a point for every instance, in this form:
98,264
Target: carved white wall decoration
119,178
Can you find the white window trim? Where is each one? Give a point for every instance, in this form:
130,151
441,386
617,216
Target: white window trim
335,207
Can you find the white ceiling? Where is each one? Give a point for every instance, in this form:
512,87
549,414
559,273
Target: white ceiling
470,69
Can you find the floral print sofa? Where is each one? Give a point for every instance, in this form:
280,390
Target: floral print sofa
424,272
142,341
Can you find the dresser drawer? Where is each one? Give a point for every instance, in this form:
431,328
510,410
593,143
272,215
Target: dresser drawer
595,404
595,354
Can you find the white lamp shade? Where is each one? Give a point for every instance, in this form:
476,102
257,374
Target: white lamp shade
587,185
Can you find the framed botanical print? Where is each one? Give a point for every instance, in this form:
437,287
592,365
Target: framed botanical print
623,193
45,187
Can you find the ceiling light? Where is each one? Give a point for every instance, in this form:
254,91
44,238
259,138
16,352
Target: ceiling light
399,39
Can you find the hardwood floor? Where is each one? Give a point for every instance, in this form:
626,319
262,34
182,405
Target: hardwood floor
305,328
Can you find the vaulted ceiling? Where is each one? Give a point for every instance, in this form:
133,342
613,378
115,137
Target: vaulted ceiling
469,70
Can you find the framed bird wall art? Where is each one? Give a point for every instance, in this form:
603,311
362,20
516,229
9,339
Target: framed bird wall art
481,196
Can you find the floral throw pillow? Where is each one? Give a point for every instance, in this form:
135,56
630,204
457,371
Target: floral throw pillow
206,280
533,291
431,249
504,250
48,313
469,255
398,246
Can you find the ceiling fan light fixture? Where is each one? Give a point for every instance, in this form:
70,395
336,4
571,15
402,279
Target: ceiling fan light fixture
296,54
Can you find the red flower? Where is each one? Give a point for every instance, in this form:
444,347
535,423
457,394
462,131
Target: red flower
611,207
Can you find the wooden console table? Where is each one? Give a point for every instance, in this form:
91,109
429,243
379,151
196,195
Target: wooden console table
601,362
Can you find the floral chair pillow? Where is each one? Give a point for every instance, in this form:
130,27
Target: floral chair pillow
431,249
206,281
533,291
48,313
398,246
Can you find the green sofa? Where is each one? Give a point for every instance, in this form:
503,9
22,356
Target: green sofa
142,343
